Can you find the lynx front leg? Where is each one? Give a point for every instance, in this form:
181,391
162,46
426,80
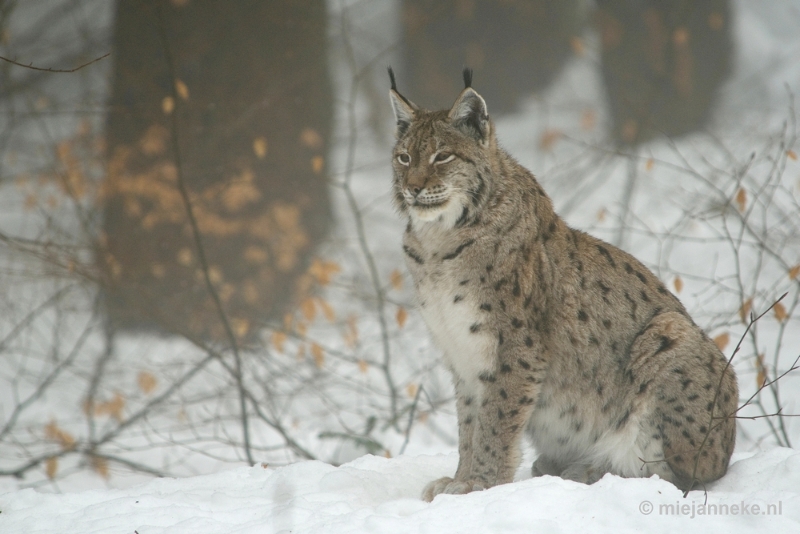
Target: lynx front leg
504,411
495,427
466,410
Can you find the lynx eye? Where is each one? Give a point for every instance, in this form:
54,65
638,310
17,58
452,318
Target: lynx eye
404,159
443,157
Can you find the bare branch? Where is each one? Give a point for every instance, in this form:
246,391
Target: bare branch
41,69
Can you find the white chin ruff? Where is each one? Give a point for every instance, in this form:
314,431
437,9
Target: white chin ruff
446,214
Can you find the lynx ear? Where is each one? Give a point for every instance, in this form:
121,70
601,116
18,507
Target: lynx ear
469,113
404,110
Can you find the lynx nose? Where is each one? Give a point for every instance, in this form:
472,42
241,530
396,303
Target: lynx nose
415,190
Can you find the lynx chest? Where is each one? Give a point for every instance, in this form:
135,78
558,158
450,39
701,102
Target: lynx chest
449,302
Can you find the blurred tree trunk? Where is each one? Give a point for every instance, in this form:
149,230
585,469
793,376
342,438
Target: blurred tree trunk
254,112
515,47
663,62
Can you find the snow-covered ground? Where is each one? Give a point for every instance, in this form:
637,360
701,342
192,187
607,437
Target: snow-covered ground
378,495
197,434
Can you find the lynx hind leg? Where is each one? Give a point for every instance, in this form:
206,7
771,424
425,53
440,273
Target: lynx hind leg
694,399
544,465
583,472
577,471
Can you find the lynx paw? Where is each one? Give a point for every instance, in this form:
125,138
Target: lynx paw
450,486
582,473
546,466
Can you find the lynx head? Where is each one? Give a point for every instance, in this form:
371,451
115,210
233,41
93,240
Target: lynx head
441,160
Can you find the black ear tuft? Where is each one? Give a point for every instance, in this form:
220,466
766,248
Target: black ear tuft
404,109
467,77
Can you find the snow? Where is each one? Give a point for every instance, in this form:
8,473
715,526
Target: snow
376,494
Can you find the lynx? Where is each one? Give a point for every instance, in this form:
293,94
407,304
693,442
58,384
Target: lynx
546,330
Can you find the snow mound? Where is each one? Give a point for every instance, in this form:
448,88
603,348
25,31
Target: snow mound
379,495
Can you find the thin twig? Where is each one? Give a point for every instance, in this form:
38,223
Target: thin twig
359,222
627,198
197,236
49,379
41,69
728,364
411,419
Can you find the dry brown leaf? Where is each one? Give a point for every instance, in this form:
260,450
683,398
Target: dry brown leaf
147,382
254,254
238,193
115,406
158,271
629,130
301,352
794,272
576,43
323,271
716,21
278,339
185,256
601,214
680,36
741,199
396,279
51,467
260,147
363,366
318,354
308,309
287,216
310,138
402,315
411,390
62,437
112,407
288,322
215,274
100,466
780,312
327,310
301,328
761,375
154,141
317,164
549,138
182,89
649,164
721,341
588,119
678,283
744,311
351,332
167,105
792,155
240,325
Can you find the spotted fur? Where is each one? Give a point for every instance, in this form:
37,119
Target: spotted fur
544,327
